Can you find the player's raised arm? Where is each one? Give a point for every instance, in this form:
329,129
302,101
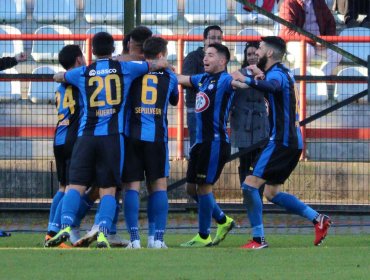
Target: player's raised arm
59,77
184,80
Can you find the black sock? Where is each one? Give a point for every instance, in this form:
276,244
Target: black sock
51,233
259,240
203,236
222,220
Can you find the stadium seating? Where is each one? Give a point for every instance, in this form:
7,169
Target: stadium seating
54,11
48,50
206,11
250,31
245,17
43,92
361,50
10,90
111,30
11,47
158,12
171,47
345,90
104,11
190,46
316,93
12,11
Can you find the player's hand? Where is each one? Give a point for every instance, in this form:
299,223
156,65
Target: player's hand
255,70
238,84
21,57
59,77
238,76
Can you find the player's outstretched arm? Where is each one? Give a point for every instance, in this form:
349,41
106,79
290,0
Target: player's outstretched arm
157,64
237,84
59,77
184,80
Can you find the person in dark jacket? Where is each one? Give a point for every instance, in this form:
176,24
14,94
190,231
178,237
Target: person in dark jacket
248,119
9,62
350,9
315,17
193,64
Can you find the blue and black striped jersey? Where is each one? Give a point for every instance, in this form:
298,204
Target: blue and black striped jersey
283,107
212,105
147,104
104,86
68,104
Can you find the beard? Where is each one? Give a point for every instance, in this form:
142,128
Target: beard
262,61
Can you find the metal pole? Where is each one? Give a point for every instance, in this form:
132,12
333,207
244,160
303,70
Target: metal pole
129,22
138,12
302,97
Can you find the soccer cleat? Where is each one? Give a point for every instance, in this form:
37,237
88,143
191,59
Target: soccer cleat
74,235
88,238
223,230
255,245
134,245
102,241
198,242
150,241
159,245
61,245
61,237
116,241
321,229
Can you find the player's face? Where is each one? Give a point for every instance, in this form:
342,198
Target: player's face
251,56
213,62
261,54
214,36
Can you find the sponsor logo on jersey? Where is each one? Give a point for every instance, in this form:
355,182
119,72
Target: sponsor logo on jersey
202,102
93,72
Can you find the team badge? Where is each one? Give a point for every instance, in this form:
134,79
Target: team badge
211,86
201,102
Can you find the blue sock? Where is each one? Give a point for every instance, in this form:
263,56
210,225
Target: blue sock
294,205
217,213
131,209
160,207
71,203
106,214
113,228
254,210
206,204
96,219
54,205
150,214
56,224
85,206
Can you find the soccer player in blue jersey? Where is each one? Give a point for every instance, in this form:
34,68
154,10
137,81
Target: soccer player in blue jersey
212,147
67,101
98,151
146,144
281,155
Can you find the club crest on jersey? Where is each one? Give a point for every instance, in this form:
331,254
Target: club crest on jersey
211,86
201,102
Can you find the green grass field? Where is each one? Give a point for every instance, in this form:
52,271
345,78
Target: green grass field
289,257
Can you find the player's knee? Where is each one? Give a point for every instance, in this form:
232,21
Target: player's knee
269,193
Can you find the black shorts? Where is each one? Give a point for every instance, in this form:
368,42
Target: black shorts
97,159
275,163
62,154
145,160
207,161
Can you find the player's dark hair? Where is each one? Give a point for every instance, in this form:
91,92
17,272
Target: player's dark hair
209,28
102,44
140,34
253,44
125,41
154,46
68,55
221,49
277,43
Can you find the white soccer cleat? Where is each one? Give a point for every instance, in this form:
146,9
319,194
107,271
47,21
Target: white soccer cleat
159,245
74,235
116,241
134,245
150,241
88,238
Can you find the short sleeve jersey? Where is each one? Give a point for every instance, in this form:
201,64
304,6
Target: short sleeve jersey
212,105
104,87
284,108
68,104
147,105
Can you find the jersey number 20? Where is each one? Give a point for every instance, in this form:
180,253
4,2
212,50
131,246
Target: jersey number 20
105,82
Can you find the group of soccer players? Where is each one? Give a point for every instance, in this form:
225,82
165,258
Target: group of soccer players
112,134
